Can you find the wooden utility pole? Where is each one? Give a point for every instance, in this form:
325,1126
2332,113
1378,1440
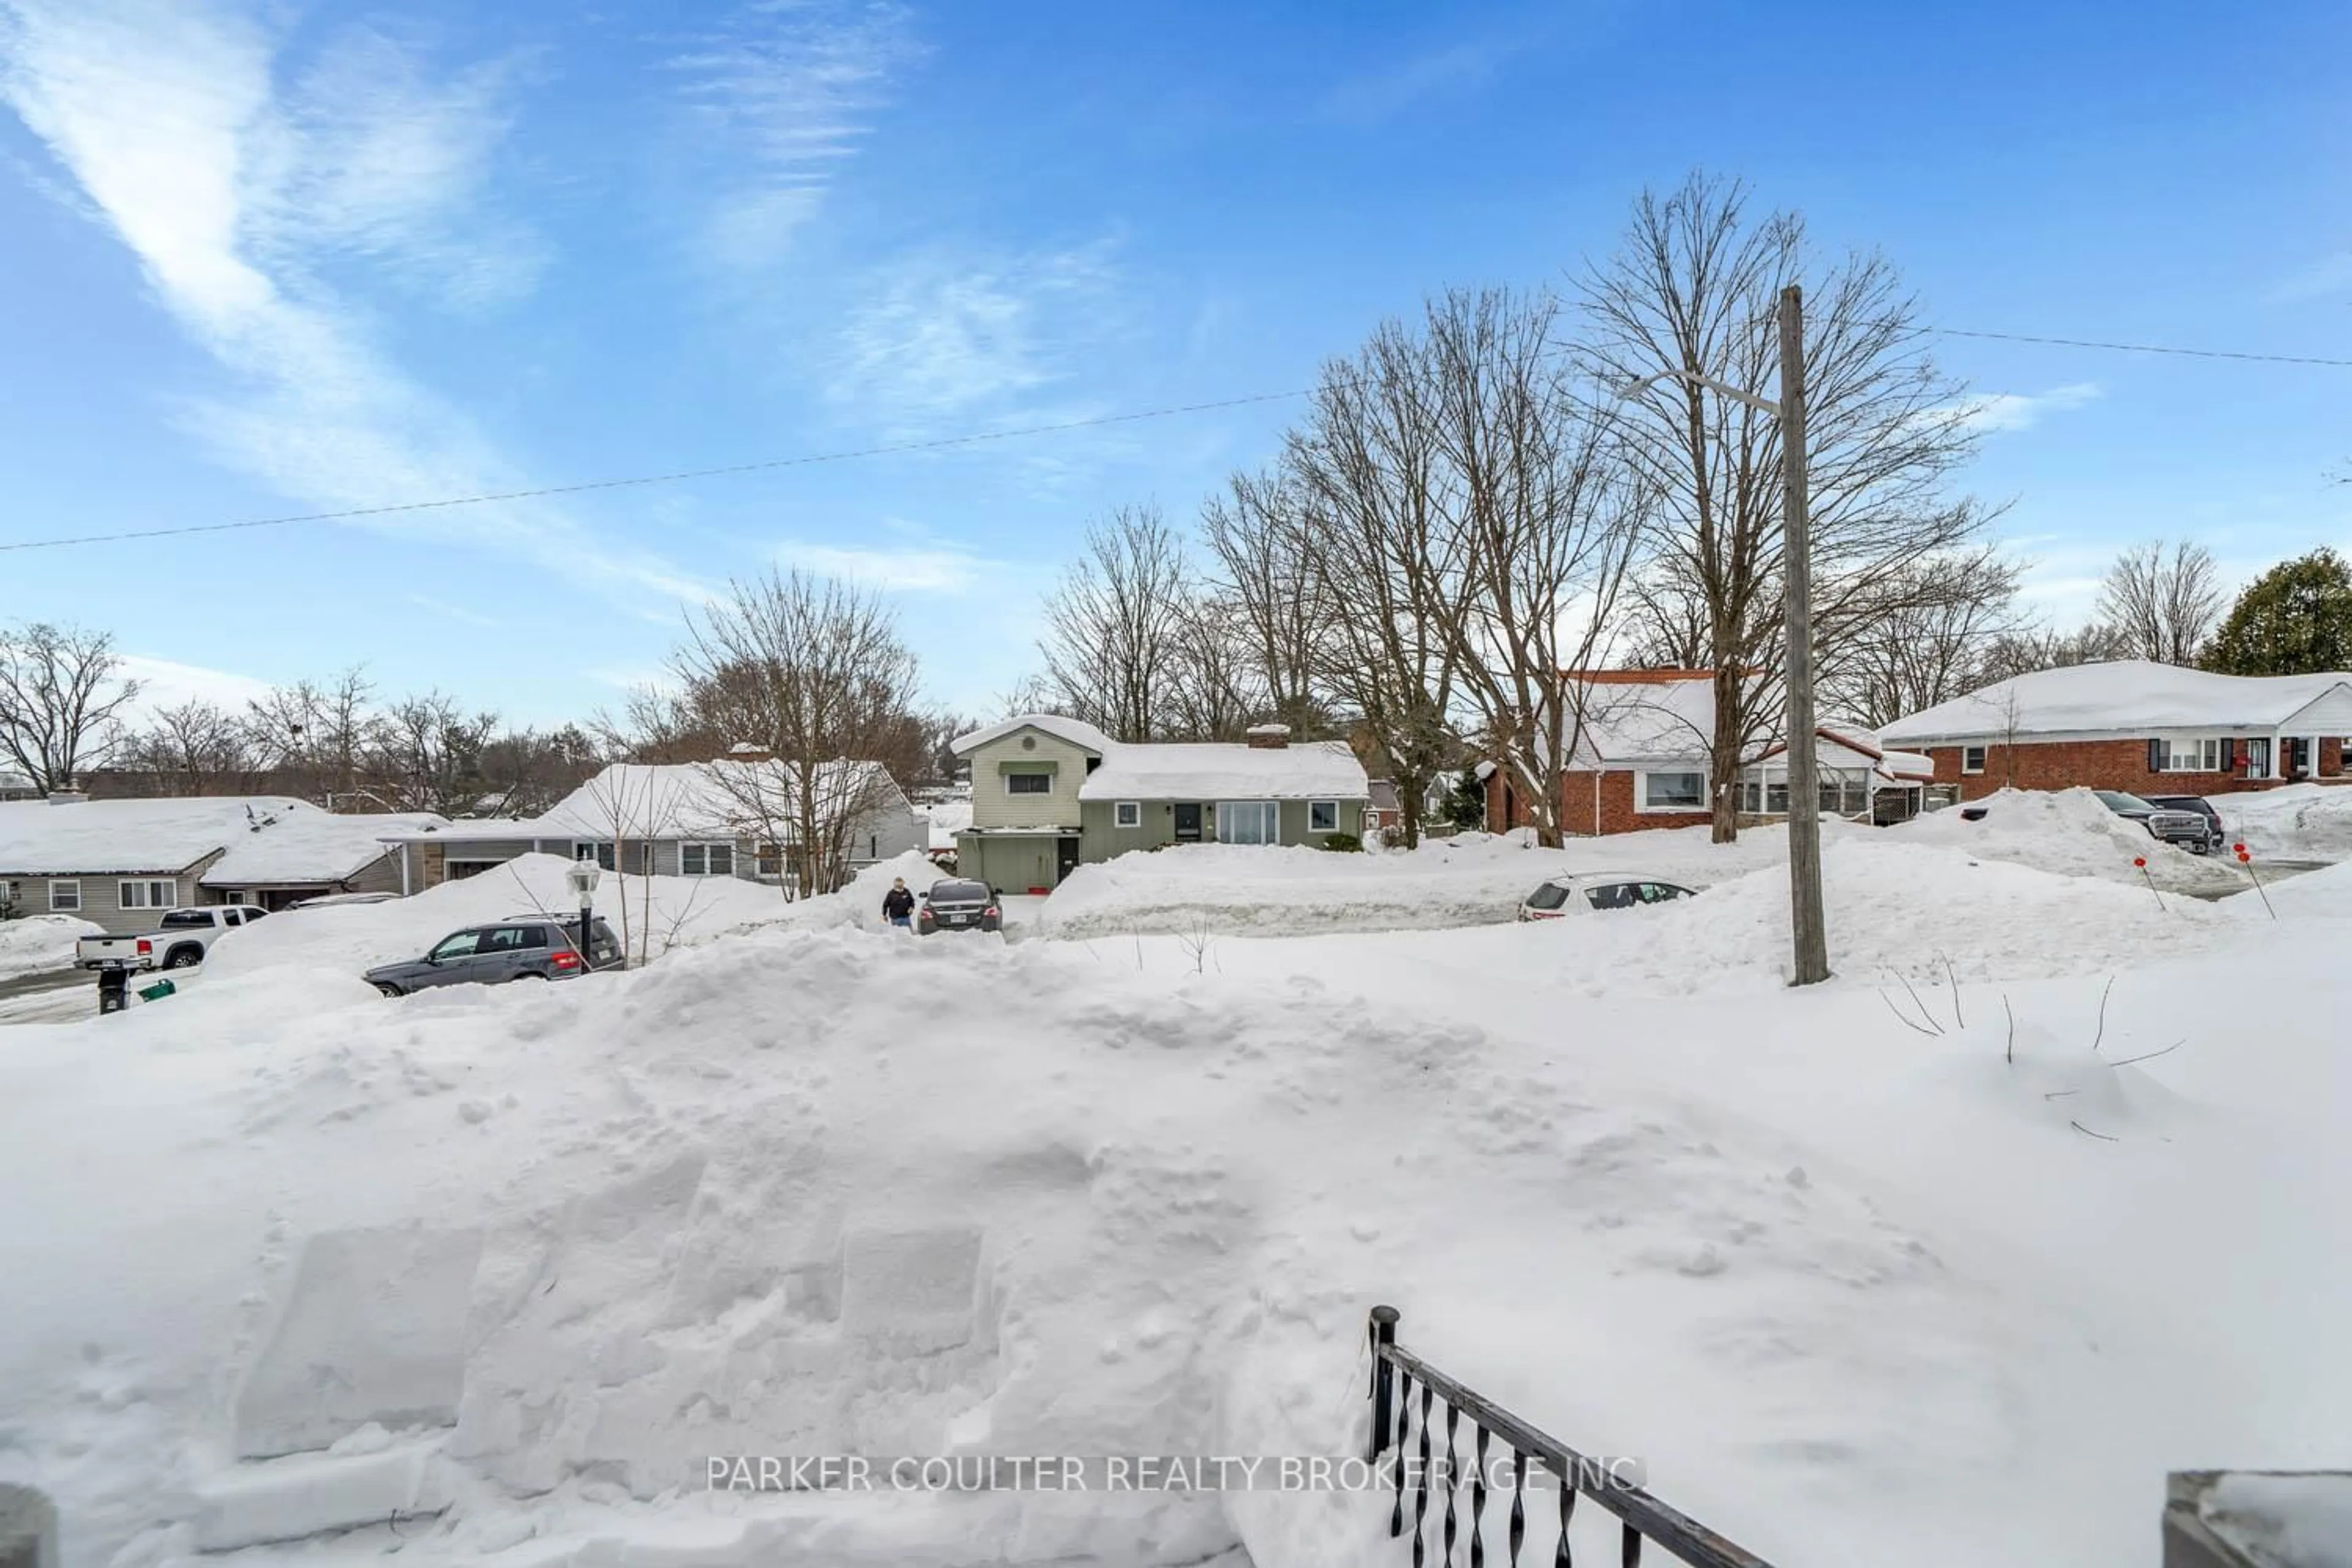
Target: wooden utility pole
1811,935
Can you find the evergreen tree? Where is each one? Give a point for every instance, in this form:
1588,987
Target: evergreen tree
2294,619
1465,802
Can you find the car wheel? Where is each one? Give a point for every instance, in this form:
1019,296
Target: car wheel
185,958
387,990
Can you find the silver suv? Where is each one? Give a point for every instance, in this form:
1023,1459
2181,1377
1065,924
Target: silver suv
527,947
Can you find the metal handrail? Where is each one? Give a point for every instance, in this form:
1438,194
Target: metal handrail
1643,1517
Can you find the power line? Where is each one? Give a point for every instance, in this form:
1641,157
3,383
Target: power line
2144,348
973,439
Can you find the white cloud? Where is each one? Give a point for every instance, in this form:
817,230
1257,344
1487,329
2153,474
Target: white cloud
167,683
2329,275
915,569
1379,95
454,612
781,97
235,200
2019,411
941,334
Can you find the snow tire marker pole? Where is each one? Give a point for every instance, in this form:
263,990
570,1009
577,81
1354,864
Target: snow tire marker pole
2247,860
2141,861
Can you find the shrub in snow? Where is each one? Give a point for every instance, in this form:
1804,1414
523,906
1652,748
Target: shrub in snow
1346,842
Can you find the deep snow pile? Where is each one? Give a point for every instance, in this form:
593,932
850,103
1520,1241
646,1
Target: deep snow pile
33,944
656,914
2069,832
2293,822
1472,879
537,1255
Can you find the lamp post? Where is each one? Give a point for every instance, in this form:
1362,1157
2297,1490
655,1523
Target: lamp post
582,876
1809,929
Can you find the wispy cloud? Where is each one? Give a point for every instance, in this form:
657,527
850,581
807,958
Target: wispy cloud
167,683
912,569
454,612
2329,275
1380,94
966,336
238,202
778,98
2019,410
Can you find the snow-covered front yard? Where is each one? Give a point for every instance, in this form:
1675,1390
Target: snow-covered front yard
2033,1202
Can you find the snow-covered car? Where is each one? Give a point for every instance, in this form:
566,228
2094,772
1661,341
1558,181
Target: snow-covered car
2186,828
1583,891
179,941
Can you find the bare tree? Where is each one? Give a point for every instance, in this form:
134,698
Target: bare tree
427,751
2041,648
1266,555
1212,689
1545,511
61,692
1116,624
319,736
1932,644
2161,606
811,673
193,747
1692,289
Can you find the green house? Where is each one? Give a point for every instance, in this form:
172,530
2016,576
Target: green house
1050,795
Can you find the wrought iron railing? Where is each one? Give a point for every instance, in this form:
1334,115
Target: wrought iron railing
1401,1380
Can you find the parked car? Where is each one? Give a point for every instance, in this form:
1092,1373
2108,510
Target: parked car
179,941
525,947
2186,828
959,904
2215,834
1585,891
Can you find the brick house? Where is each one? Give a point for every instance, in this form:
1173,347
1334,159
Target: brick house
1641,760
2140,726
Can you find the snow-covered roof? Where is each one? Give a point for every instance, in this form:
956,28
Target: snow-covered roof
2126,697
1316,770
1076,731
1642,721
304,844
1847,746
724,799
39,838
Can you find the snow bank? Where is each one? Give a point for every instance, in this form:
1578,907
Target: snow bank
1472,879
684,911
2293,822
32,943
2069,832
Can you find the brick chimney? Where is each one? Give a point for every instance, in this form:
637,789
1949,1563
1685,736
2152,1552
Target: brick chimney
1269,737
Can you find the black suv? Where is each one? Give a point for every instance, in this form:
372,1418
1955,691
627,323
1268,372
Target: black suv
527,947
2186,828
2197,805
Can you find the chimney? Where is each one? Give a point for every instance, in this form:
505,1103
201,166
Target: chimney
1269,737
67,797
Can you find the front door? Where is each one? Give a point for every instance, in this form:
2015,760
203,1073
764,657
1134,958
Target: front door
1065,859
1188,823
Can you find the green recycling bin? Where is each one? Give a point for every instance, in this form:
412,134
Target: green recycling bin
157,992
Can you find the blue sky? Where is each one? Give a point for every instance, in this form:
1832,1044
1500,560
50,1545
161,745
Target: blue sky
264,258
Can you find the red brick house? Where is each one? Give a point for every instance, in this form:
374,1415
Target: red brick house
1642,761
2147,729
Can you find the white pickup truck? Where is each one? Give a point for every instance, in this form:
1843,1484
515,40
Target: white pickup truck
179,941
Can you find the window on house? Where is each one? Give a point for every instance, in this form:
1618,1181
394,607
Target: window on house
1751,794
771,859
2189,756
600,853
1972,759
1127,813
706,859
1322,816
1028,783
65,896
147,895
1249,822
1673,791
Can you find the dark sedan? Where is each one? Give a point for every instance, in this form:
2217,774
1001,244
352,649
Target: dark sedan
957,904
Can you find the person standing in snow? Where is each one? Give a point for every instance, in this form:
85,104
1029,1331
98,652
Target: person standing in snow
898,905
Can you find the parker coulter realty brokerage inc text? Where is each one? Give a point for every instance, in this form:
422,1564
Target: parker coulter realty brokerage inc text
1144,1473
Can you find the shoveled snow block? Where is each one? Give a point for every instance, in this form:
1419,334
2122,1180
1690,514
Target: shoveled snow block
916,1289
28,1528
308,1494
374,1331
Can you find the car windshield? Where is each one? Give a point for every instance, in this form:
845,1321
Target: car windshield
2116,800
457,946
1551,896
959,893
